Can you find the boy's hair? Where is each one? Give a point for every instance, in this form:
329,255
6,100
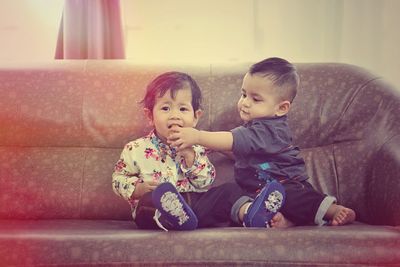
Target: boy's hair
172,81
282,73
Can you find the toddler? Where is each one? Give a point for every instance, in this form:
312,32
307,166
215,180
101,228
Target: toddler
263,146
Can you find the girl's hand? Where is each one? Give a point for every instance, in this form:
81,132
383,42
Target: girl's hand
143,188
188,155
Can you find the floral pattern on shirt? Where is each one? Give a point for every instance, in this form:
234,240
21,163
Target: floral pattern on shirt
149,159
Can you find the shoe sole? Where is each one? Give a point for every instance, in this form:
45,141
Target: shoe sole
262,199
173,207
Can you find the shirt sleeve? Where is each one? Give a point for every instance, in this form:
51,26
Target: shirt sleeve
257,138
202,173
126,174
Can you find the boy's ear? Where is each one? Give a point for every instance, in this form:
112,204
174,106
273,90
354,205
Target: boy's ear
197,114
149,115
283,108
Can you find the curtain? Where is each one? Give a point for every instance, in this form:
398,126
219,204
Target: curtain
90,29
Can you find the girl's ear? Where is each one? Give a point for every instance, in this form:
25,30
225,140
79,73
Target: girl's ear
149,115
197,114
283,108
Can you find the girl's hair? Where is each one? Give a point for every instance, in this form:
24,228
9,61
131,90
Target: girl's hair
172,81
282,73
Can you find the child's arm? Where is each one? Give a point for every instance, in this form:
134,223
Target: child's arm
188,156
182,138
196,166
126,179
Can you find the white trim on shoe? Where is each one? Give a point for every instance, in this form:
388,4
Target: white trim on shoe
156,217
245,212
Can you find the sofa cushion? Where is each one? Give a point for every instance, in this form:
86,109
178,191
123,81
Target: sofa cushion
117,243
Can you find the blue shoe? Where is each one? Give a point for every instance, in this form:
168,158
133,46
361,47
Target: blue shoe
266,204
173,213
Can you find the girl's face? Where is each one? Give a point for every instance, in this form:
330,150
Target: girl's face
168,111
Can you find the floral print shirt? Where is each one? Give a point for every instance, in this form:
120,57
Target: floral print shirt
149,159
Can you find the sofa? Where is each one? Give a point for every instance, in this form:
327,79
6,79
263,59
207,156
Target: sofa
63,125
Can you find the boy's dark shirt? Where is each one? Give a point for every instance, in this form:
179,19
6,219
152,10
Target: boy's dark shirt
263,150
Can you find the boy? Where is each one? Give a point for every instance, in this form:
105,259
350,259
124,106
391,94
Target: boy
263,146
168,188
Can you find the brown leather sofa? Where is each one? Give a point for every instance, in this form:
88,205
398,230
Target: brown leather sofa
63,125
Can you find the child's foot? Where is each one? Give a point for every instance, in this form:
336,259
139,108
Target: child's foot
279,221
343,216
264,207
173,213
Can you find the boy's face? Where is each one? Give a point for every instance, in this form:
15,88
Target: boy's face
168,112
258,99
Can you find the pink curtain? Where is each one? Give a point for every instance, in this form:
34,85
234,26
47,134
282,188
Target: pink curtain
90,29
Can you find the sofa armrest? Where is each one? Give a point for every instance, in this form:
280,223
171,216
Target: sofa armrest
384,185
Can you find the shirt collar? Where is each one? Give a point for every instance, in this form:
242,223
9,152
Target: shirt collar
271,119
162,148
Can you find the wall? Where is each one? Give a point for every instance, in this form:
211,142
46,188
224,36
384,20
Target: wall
187,31
360,32
29,28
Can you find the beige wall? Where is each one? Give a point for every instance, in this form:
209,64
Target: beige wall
28,29
187,31
360,32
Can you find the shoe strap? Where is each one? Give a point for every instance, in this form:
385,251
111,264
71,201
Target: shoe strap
156,217
245,212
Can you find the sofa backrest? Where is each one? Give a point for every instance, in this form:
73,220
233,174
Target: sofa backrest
64,123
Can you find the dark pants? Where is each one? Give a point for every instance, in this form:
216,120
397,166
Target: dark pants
302,202
212,208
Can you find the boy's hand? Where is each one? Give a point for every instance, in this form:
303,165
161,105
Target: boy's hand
144,187
183,137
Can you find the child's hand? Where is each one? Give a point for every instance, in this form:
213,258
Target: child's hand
188,155
144,187
183,137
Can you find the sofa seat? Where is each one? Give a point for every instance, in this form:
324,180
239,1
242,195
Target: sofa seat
118,243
